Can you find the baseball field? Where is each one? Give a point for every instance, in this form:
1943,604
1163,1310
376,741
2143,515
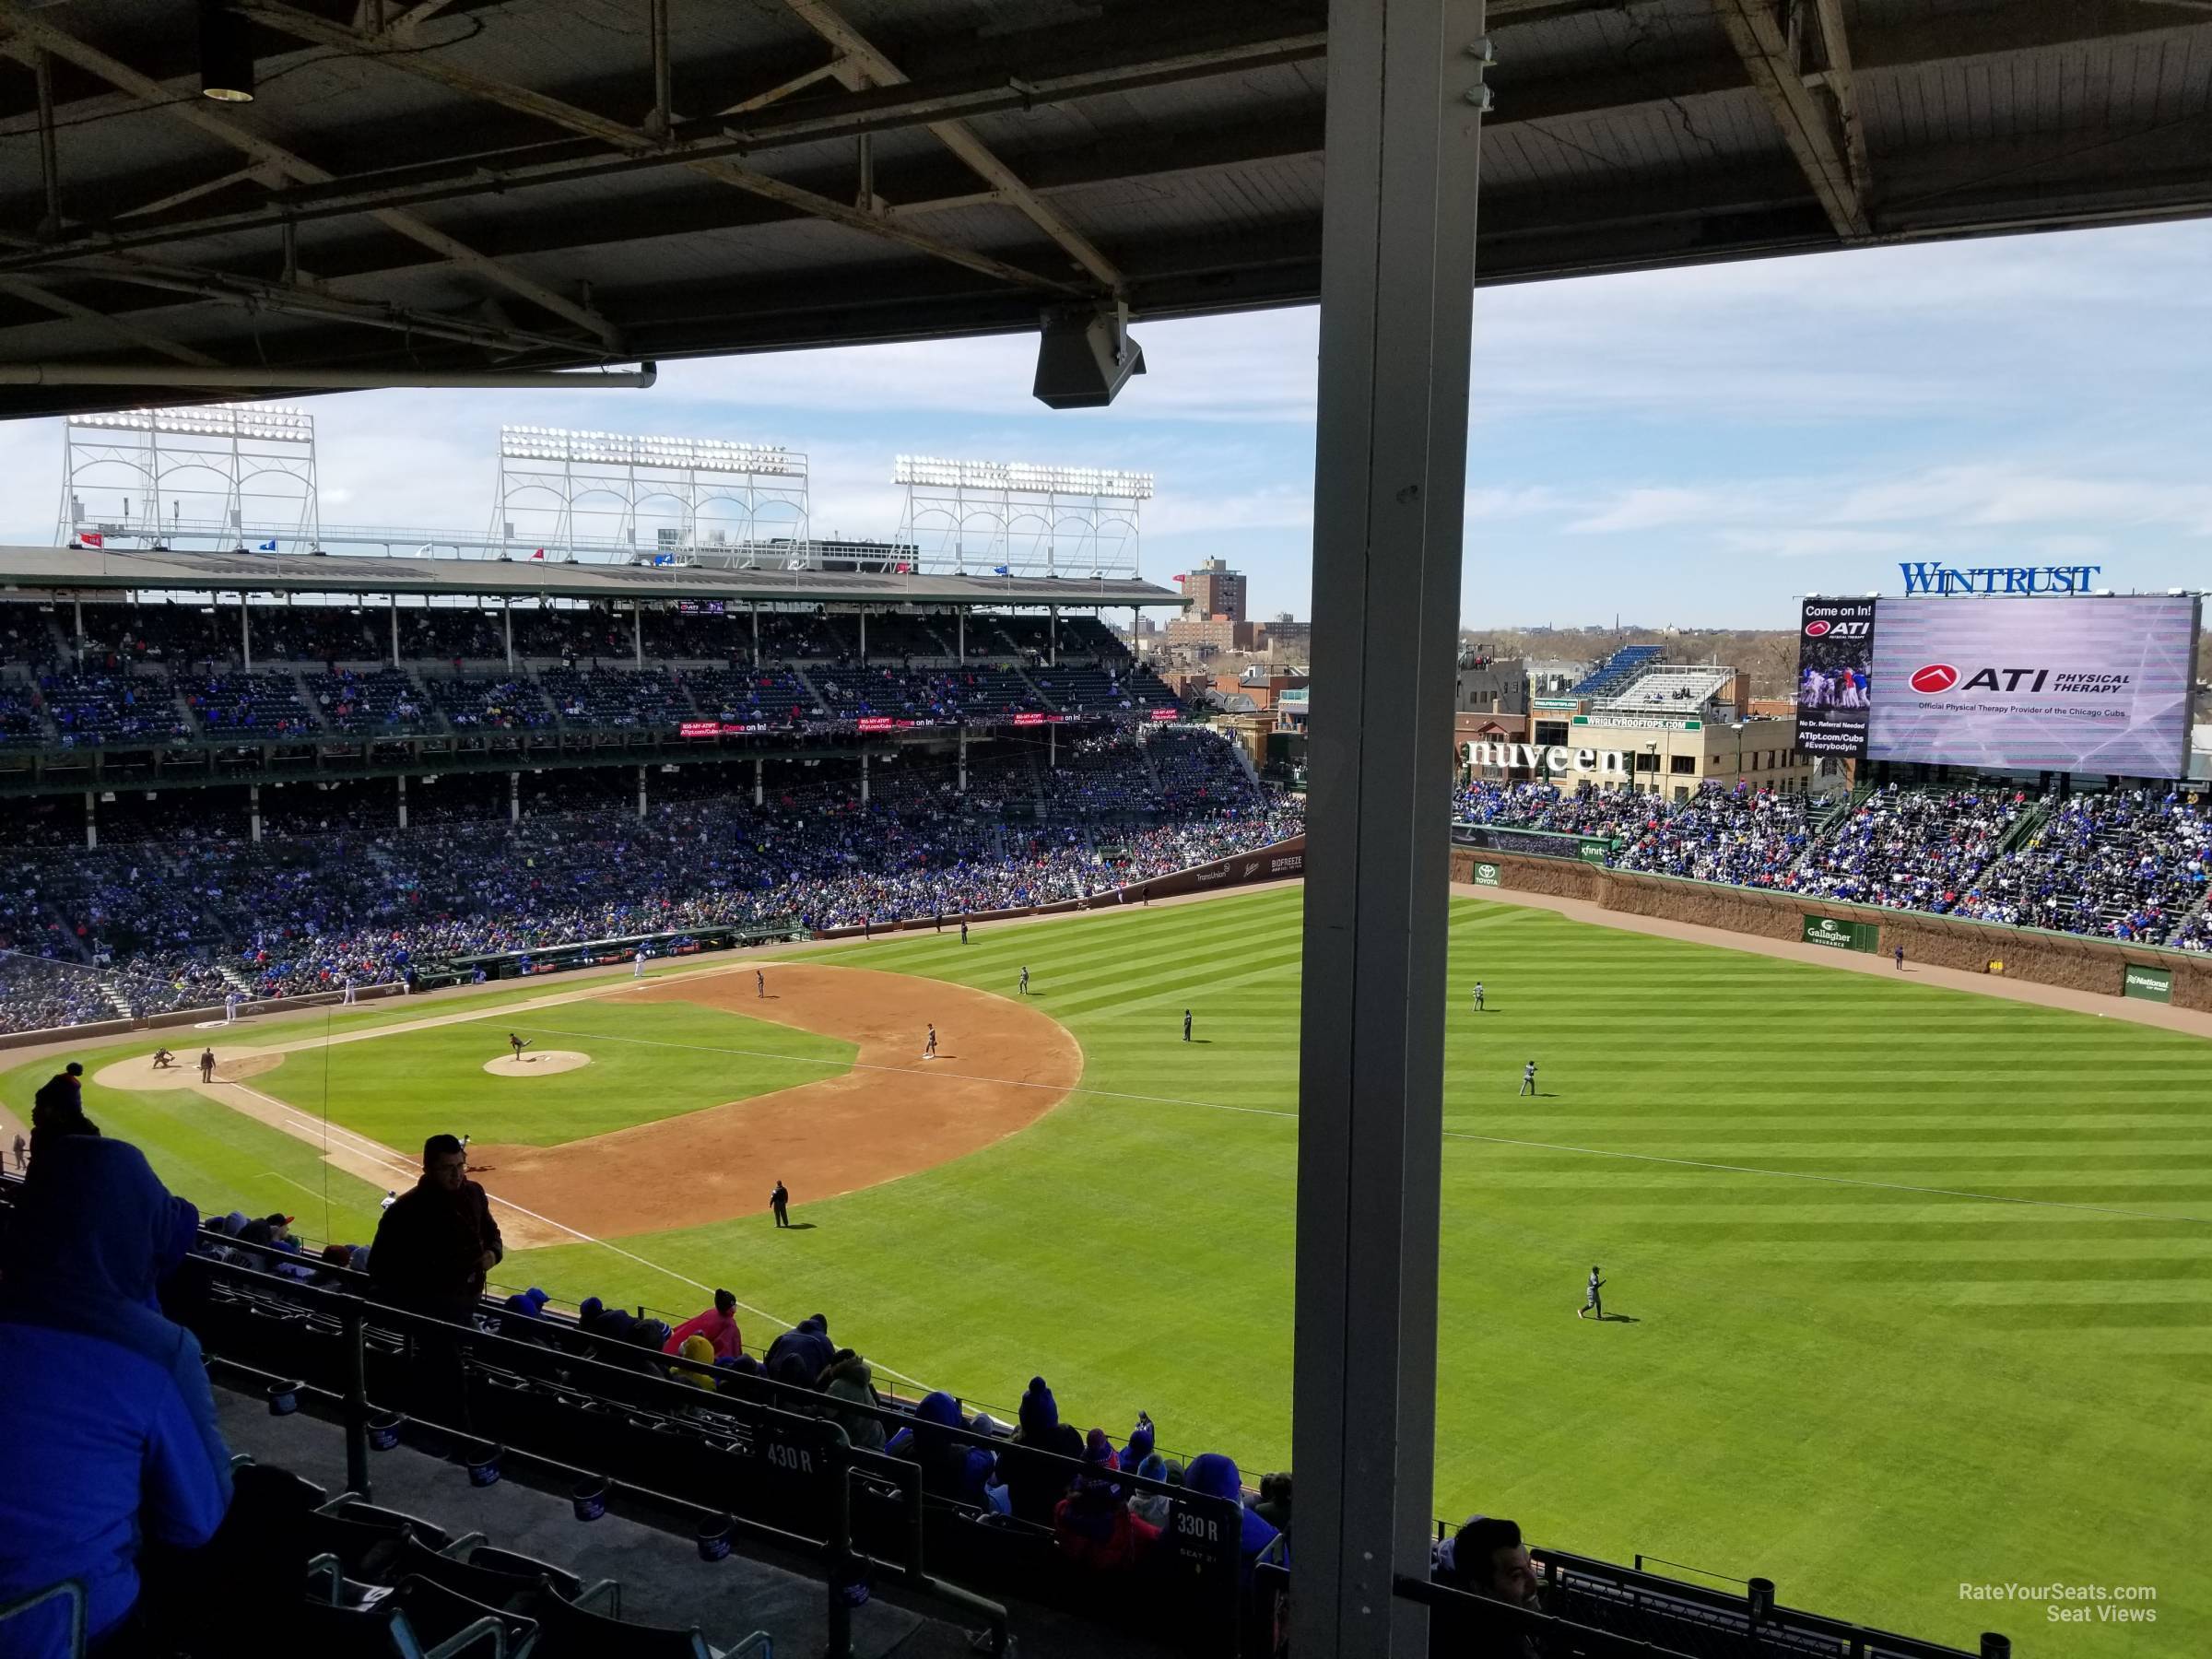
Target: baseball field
1907,1289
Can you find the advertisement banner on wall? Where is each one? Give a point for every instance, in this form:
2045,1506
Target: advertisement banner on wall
2096,685
1835,676
1485,875
2152,984
1841,936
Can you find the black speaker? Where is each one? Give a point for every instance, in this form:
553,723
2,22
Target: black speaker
1083,361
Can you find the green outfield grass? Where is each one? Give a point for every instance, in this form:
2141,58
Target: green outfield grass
404,1087
1870,1393
1916,1284
221,1160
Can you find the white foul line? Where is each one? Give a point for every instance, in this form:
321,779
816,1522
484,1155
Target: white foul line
375,1153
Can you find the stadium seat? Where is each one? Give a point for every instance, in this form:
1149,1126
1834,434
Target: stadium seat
440,1615
568,1631
346,1507
564,1583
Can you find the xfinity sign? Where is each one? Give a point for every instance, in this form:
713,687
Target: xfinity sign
1556,759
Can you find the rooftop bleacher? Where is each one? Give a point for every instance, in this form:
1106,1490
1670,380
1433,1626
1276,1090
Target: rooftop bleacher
1663,687
1616,670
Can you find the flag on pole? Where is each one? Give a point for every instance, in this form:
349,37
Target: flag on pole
539,553
1175,579
92,539
902,570
268,547
1000,570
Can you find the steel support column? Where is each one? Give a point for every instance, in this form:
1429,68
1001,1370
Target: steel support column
253,813
403,800
963,760
640,793
245,636
756,772
514,797
507,625
863,777
91,823
1405,88
395,598
637,632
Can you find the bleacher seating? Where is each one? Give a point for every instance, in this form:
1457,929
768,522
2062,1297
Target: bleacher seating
19,720
113,706
1616,670
1666,687
2127,865
617,697
383,700
250,705
317,633
507,703
770,695
1078,691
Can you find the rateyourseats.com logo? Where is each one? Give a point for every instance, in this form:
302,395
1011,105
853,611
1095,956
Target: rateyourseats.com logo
2074,1604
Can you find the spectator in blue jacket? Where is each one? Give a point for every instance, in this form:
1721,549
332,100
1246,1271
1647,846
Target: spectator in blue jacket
1215,1474
113,1434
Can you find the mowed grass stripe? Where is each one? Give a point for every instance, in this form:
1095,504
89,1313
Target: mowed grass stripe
1809,1390
1762,1370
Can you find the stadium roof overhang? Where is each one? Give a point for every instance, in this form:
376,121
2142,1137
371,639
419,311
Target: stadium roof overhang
494,187
39,571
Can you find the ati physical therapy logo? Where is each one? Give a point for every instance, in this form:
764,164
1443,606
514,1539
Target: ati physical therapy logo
1819,629
1934,679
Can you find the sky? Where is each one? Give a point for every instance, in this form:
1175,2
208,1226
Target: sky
1690,447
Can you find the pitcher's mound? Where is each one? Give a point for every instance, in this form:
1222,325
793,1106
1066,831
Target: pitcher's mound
537,1062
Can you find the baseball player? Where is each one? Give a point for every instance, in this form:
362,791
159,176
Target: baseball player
929,1049
1528,1078
517,1044
759,984
1592,1302
1025,979
231,1007
1186,1025
638,969
1477,996
207,1066
345,990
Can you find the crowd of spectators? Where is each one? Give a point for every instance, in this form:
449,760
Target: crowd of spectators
1743,837
1535,805
2129,865
1910,849
336,890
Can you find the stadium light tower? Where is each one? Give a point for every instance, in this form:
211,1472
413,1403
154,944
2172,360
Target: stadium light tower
224,476
622,495
1021,517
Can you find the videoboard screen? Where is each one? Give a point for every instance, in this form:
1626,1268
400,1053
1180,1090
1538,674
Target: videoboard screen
2088,685
1835,672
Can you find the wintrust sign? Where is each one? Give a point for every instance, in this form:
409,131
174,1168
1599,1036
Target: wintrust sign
1555,758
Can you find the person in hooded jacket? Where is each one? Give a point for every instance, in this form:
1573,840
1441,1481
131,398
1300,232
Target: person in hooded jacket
1214,1474
699,1351
851,1379
1092,1525
809,1340
950,1468
718,1324
113,1424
